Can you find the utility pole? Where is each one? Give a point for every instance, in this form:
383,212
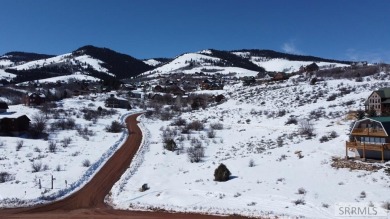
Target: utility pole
52,181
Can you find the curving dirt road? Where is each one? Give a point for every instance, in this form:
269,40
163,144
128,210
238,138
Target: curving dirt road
88,202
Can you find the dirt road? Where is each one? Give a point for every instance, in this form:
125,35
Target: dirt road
88,202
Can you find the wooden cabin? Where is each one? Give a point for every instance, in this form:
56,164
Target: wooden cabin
11,126
35,98
114,102
379,101
370,138
3,107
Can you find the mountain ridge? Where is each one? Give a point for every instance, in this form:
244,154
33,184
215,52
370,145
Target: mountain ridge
105,63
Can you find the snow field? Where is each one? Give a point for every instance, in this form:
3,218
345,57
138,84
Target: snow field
282,182
66,164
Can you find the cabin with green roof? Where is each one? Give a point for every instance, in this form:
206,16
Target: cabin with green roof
379,101
370,138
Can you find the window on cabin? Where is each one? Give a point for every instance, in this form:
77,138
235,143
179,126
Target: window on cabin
373,140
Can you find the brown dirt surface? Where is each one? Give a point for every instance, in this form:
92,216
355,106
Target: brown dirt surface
88,202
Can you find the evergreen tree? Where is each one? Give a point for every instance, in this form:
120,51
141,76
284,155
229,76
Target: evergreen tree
360,114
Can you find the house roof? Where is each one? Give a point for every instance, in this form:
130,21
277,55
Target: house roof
384,92
385,121
3,105
381,119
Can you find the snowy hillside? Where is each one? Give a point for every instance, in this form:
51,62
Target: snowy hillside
288,66
5,75
80,148
191,63
5,62
61,59
283,64
66,60
276,171
66,78
215,61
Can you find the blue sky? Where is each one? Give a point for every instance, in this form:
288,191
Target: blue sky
338,29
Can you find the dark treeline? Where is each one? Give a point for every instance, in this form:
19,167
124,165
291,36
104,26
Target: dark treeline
123,66
273,54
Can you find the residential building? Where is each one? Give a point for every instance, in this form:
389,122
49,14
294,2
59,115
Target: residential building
379,101
370,138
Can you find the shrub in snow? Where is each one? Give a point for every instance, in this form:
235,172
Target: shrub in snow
170,144
302,191
115,127
52,146
360,114
5,177
19,145
313,81
38,125
196,142
166,115
211,133
66,141
36,167
333,134
291,120
306,128
196,125
222,173
251,163
45,167
86,163
281,113
58,168
195,154
324,139
331,97
279,141
216,126
299,202
179,122
144,187
64,124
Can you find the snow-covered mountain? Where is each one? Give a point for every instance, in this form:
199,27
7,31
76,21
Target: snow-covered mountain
240,63
16,58
104,63
97,62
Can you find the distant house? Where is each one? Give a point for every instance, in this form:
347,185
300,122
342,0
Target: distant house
114,102
267,77
246,81
280,76
133,94
154,96
379,101
176,90
370,138
219,98
3,107
14,126
209,84
35,98
360,64
158,88
309,68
